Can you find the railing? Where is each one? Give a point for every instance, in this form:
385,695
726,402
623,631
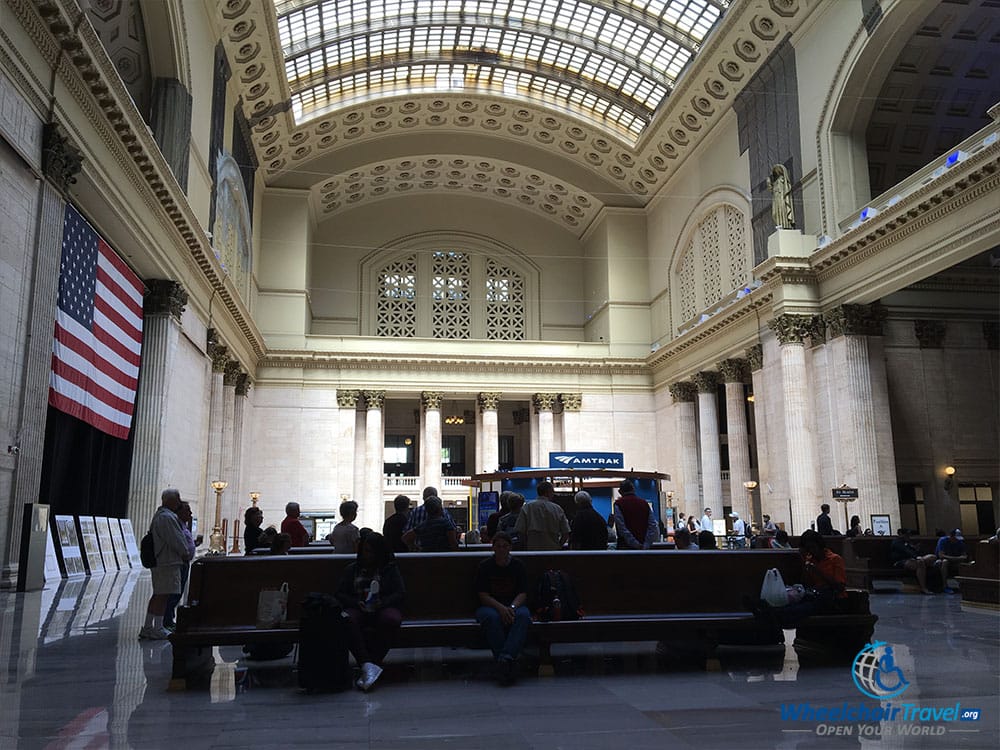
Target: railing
401,483
454,482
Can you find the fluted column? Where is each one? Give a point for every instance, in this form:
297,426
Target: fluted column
162,306
372,508
708,422
239,497
543,403
216,415
572,404
686,429
533,438
360,449
230,376
800,461
430,465
733,373
346,450
488,403
770,503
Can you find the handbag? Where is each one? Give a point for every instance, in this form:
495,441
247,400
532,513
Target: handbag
272,607
797,593
773,589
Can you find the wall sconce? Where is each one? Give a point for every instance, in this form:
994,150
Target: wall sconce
949,477
750,398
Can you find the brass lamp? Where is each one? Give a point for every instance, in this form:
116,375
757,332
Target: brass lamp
254,497
217,541
749,485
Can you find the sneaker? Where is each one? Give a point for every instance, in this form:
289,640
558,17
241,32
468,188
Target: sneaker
369,673
149,633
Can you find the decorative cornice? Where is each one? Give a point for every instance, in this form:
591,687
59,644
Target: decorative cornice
571,401
733,370
164,297
374,399
488,401
991,332
348,399
792,329
706,381
755,357
231,373
856,320
683,392
544,401
243,384
61,160
930,333
431,399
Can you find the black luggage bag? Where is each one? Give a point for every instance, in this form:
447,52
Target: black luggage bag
323,661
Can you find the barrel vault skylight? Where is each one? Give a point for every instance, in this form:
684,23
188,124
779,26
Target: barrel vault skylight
610,62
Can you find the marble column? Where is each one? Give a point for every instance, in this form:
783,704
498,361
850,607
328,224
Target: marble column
488,403
241,497
543,403
162,308
430,465
733,373
686,430
572,404
769,502
230,376
346,449
216,418
372,508
533,437
708,423
800,461
360,448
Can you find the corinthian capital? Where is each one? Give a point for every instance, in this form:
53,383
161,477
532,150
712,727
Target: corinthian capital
375,399
706,381
682,391
755,357
431,399
231,373
347,399
930,333
733,370
792,329
488,401
571,401
544,401
164,297
856,320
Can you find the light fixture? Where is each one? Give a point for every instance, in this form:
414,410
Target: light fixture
454,419
949,481
254,497
407,441
750,398
749,485
217,541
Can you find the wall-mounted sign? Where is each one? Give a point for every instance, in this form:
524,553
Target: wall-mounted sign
845,493
586,460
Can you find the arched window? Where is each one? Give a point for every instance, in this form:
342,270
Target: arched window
715,261
452,290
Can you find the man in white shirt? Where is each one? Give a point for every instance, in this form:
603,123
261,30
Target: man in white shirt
706,520
739,530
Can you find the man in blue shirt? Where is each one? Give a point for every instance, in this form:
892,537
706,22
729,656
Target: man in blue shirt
950,551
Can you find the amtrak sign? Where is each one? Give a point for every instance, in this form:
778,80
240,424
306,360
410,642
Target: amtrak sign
580,460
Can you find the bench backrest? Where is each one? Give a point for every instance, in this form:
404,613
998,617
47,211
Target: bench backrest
224,590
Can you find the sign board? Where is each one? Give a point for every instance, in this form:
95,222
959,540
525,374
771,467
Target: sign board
586,460
489,503
69,546
845,493
107,543
130,544
881,525
90,546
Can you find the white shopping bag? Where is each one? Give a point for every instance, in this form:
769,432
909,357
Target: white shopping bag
272,607
772,590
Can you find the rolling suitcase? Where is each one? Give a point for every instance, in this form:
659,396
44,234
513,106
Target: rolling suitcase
323,661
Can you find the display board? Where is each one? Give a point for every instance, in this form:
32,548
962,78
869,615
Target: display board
89,544
107,543
52,570
69,547
130,543
121,547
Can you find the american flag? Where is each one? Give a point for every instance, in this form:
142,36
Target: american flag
98,340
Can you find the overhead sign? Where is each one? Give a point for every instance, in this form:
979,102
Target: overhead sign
586,460
845,493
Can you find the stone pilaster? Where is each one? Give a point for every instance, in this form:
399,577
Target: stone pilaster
686,431
372,507
855,320
430,466
490,435
930,333
544,403
216,413
238,497
734,372
162,307
346,447
230,376
572,404
711,460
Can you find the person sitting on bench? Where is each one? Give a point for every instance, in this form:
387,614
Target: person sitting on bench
904,555
502,585
950,552
824,576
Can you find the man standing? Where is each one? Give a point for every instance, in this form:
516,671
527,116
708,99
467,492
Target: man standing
706,521
590,531
395,524
542,524
293,526
185,518
823,523
739,530
502,585
769,528
171,551
419,515
950,552
635,523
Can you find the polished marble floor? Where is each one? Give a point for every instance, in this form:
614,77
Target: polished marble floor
74,675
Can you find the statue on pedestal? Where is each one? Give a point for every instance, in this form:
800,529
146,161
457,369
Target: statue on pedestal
780,185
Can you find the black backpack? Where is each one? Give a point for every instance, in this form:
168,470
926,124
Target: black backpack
147,553
556,598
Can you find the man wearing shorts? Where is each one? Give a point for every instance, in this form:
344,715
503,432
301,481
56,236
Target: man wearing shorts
171,553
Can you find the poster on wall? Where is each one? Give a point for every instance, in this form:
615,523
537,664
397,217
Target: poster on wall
107,543
69,547
489,503
881,525
89,545
130,544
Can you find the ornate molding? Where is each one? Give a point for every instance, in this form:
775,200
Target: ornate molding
706,381
683,392
243,384
488,401
544,401
991,332
374,399
61,160
733,370
755,357
817,330
431,399
348,399
231,373
930,333
164,297
856,320
220,358
571,401
792,329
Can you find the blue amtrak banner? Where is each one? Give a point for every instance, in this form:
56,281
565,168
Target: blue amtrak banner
586,460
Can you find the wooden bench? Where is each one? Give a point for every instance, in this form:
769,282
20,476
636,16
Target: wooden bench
868,558
627,596
979,580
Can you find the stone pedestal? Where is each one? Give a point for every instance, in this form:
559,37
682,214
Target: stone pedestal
790,243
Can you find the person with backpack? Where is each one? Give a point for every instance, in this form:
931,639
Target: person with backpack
170,549
503,615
